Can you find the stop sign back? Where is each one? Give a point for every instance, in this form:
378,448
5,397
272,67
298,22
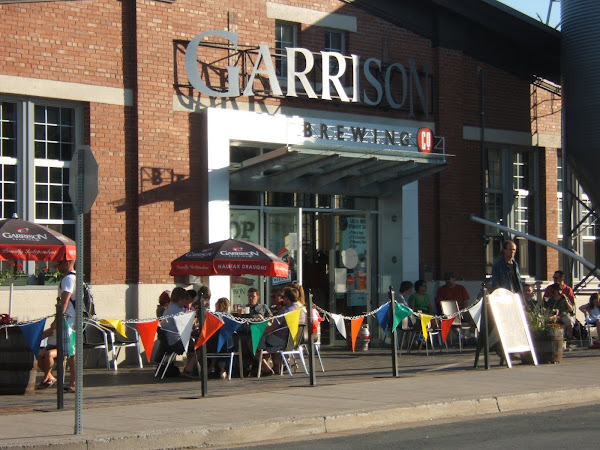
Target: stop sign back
425,140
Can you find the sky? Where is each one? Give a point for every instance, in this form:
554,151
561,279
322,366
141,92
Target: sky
534,7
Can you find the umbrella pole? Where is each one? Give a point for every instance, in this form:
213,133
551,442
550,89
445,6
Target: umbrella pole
12,280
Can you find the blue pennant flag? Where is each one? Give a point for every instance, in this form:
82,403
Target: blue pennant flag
227,331
33,333
382,316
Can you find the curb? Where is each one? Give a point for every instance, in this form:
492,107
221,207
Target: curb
255,432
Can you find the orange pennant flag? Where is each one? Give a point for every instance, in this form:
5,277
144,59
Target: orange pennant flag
147,332
446,325
355,325
211,324
425,319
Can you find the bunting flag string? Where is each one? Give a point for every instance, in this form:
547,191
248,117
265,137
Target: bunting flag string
147,332
211,324
228,323
355,325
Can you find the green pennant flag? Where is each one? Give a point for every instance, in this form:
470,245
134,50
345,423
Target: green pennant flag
256,331
399,314
70,335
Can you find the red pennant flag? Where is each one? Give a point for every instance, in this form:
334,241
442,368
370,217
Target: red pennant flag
147,332
446,325
316,319
355,325
211,324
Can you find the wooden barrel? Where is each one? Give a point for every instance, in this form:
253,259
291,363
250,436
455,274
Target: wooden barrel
549,345
18,366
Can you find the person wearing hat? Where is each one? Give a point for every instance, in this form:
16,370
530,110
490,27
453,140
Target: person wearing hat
452,291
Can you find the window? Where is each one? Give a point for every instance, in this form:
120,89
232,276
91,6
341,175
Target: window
37,141
334,42
510,201
285,36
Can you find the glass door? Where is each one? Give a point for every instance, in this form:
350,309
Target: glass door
284,238
351,268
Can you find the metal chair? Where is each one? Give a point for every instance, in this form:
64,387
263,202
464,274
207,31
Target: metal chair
230,352
291,351
117,342
169,355
95,337
316,339
450,308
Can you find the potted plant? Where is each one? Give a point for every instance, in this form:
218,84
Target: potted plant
546,335
20,277
48,275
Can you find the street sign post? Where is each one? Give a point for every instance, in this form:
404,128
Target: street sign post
83,190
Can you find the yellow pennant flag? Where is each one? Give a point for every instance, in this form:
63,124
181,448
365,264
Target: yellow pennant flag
116,324
293,319
425,319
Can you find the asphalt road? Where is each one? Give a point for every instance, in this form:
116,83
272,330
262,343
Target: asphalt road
566,428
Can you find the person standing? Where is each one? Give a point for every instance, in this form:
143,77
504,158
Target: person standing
66,297
505,273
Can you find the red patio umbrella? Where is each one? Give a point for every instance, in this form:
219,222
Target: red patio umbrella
230,257
21,240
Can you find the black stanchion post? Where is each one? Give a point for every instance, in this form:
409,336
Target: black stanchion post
204,363
311,345
487,328
60,324
392,310
483,341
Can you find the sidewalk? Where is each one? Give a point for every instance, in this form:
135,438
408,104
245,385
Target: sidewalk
356,392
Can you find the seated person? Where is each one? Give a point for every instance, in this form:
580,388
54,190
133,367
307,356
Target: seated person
419,300
222,306
276,300
529,297
180,300
561,308
258,310
592,315
276,334
163,301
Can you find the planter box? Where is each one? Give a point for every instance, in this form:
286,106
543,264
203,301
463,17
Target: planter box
20,281
548,345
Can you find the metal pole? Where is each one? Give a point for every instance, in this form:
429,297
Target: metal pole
79,300
203,359
60,321
486,330
392,311
311,345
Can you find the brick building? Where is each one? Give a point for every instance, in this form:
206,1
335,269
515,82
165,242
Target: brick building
254,119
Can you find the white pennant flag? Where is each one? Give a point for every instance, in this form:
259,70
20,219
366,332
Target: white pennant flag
339,323
184,324
475,312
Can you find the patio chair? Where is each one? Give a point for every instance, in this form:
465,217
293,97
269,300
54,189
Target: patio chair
117,342
232,348
169,355
95,337
449,309
316,339
290,352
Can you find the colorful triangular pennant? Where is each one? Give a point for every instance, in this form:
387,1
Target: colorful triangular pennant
184,324
230,326
425,319
256,331
147,332
211,324
355,325
339,324
33,333
293,319
117,324
382,317
445,326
